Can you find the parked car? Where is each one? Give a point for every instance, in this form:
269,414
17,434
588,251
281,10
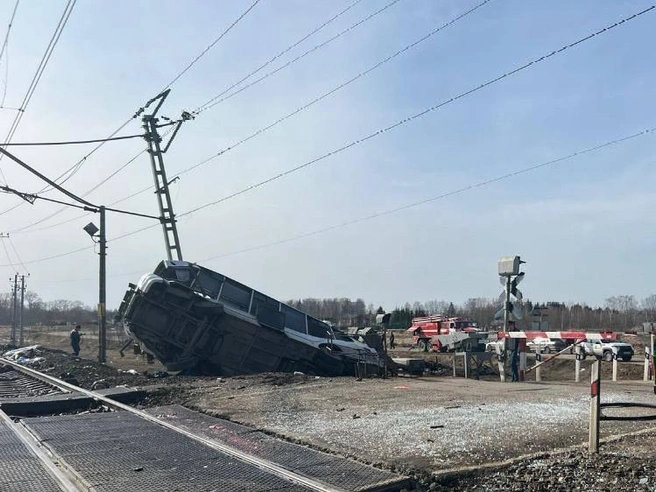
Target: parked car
544,345
608,350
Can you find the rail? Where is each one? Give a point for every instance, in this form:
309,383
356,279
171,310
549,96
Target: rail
253,460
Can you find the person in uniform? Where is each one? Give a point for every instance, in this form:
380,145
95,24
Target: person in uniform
75,340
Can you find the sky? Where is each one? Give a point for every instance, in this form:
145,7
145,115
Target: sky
583,224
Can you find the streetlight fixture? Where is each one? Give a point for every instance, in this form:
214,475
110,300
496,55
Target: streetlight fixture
100,234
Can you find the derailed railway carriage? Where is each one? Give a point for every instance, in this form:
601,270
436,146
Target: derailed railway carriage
192,318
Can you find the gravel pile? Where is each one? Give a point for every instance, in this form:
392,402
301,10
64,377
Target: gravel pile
576,471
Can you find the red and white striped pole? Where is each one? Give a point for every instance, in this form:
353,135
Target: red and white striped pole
595,406
653,362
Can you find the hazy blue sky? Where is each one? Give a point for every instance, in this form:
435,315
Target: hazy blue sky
585,226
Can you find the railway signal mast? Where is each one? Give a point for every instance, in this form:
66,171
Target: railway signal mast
510,277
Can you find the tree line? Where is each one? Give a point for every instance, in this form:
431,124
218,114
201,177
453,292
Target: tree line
37,311
618,313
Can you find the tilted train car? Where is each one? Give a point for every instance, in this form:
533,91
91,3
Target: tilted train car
192,318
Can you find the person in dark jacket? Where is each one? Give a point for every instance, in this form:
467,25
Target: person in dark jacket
392,344
75,340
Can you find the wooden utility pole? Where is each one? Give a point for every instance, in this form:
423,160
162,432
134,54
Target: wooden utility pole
20,314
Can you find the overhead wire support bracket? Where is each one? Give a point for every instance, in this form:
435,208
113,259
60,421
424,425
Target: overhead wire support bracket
28,197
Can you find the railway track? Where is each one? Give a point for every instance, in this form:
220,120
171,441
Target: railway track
16,384
121,448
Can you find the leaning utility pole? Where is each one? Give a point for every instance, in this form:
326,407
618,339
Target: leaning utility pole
167,216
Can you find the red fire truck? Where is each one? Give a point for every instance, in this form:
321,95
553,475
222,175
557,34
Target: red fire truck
442,333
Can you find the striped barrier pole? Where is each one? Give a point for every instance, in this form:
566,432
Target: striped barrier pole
538,358
577,363
614,367
653,362
595,396
501,360
645,376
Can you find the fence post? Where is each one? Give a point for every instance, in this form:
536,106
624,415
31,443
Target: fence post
645,376
653,361
501,360
595,396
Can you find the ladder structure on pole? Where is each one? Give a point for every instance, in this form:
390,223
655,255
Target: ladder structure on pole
167,216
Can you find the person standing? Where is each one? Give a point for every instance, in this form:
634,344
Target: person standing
75,340
392,345
514,357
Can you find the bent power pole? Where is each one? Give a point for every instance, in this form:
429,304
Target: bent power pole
167,216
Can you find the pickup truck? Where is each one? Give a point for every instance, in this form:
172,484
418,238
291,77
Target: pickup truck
608,350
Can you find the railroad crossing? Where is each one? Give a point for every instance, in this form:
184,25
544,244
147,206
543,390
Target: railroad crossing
94,442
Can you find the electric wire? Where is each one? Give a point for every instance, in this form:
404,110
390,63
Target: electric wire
379,132
336,88
2,238
69,142
204,52
286,50
70,172
480,184
415,116
215,100
5,43
28,228
11,243
279,120
5,48
39,72
441,196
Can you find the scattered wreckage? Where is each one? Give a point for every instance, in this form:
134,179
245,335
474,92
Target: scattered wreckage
194,319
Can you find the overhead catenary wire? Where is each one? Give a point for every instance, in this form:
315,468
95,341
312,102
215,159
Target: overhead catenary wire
69,142
11,264
3,50
11,243
31,198
218,99
29,229
286,50
204,52
458,191
480,184
70,172
63,20
336,88
420,114
479,87
399,123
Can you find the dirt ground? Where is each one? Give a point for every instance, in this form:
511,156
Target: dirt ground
448,433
